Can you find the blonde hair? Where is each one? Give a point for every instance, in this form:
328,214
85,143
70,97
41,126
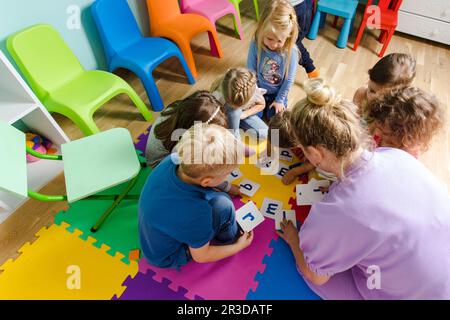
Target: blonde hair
279,16
208,150
411,115
324,119
238,86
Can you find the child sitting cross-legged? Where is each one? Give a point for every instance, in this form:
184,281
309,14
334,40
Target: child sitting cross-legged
243,100
201,106
181,216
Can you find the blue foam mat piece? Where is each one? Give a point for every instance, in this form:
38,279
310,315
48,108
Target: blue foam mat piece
281,280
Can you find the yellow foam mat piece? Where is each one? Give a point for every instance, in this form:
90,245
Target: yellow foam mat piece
271,186
59,265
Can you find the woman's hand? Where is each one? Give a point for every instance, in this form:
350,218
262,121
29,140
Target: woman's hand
277,106
289,234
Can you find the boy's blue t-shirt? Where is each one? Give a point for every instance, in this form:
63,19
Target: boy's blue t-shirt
173,216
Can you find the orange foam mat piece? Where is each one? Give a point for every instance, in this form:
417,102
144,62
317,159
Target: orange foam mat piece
59,265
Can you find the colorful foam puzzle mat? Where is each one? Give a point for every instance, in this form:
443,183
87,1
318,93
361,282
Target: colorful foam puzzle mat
68,261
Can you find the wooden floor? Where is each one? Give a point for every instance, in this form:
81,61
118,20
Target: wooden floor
345,69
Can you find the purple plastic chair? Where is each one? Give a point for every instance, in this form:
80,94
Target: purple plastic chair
213,10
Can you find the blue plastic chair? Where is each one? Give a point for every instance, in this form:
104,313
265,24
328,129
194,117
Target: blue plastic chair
341,8
127,48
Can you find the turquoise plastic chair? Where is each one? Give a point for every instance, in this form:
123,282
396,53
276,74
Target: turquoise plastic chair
340,8
59,80
91,165
125,47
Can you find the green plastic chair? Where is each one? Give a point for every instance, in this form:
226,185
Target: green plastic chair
60,81
236,4
91,165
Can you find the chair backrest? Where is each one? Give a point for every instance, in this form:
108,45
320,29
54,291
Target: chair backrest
13,164
162,10
44,58
116,24
389,4
187,3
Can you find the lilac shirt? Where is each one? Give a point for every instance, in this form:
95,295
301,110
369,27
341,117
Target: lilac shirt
389,212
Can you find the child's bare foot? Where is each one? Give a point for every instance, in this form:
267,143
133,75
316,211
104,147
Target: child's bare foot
234,191
288,178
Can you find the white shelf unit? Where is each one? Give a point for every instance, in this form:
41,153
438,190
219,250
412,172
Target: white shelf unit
21,108
429,19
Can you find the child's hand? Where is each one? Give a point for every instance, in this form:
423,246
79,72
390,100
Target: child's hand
245,240
288,177
277,106
234,191
289,234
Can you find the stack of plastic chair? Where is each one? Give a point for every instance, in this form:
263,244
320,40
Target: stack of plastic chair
59,80
341,8
388,10
213,11
125,47
167,21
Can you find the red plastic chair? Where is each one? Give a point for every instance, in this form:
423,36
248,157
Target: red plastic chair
388,24
167,21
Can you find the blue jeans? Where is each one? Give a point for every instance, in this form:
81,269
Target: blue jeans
253,122
304,15
225,226
226,229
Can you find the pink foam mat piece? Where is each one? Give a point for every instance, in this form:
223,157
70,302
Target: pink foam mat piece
228,279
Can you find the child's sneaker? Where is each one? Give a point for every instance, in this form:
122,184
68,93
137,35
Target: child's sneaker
314,74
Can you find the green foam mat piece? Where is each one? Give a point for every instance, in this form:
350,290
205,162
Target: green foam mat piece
120,229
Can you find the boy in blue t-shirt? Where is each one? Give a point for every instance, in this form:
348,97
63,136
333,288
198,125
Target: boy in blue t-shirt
180,214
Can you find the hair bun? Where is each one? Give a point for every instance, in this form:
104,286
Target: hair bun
320,94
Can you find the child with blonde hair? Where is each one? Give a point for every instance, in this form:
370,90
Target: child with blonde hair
181,217
201,106
370,229
273,54
242,99
406,118
390,72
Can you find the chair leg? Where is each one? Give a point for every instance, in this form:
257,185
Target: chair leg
314,26
323,20
187,71
186,50
152,92
382,36
86,124
343,36
386,42
335,22
238,25
255,3
118,200
216,49
138,102
361,29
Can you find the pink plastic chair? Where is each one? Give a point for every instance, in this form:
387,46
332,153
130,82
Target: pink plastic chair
213,10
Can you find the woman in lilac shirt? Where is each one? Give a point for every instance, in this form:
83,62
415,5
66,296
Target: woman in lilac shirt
383,230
